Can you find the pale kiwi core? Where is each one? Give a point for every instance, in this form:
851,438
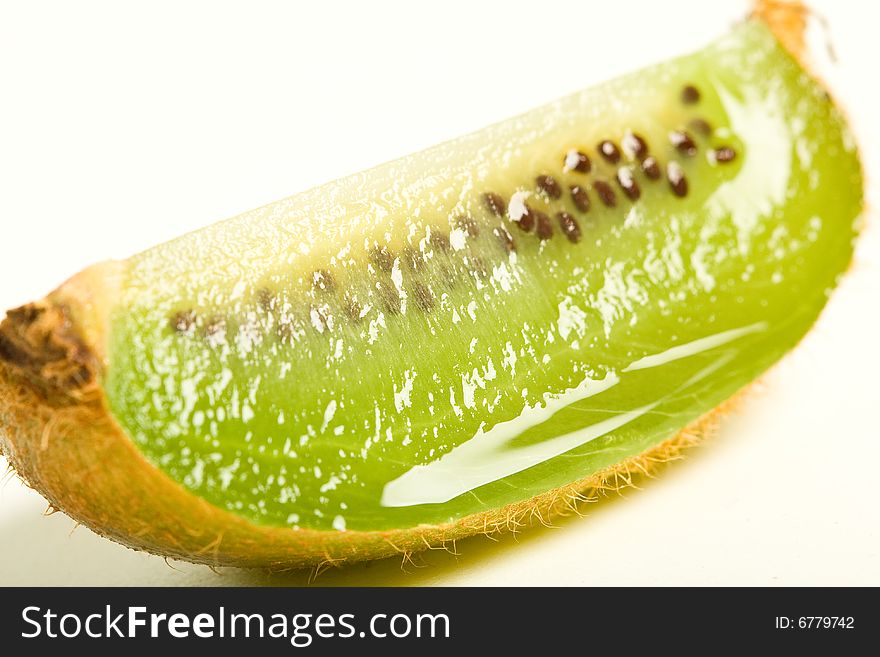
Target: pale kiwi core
396,348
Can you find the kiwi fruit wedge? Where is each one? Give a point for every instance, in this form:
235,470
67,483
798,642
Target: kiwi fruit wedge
454,342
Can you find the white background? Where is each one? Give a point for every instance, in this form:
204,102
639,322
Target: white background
123,126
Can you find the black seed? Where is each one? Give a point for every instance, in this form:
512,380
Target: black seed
439,240
690,95
606,194
724,154
700,126
183,321
323,281
580,198
495,203
266,298
545,227
352,308
284,332
628,183
577,161
609,151
478,266
683,142
677,182
389,297
423,296
526,220
569,226
549,186
468,225
319,316
504,238
382,258
285,329
651,168
634,146
215,326
413,259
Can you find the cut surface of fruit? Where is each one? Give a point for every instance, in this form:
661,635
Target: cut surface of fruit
497,317
387,350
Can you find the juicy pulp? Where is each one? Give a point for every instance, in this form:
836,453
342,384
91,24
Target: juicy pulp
294,392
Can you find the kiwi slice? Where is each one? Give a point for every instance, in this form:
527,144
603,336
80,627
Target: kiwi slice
452,342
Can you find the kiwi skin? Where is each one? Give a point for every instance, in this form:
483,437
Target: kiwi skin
59,436
61,439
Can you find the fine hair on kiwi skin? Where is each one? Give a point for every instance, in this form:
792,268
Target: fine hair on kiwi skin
52,398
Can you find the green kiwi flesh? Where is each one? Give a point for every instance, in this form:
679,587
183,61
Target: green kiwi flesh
496,317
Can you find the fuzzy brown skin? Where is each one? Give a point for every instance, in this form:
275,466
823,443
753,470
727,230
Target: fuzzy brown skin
59,436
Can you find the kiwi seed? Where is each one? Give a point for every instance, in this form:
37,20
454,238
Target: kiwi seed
683,142
724,154
651,168
635,147
609,151
677,181
545,227
495,203
569,226
577,161
606,194
549,186
690,95
580,198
